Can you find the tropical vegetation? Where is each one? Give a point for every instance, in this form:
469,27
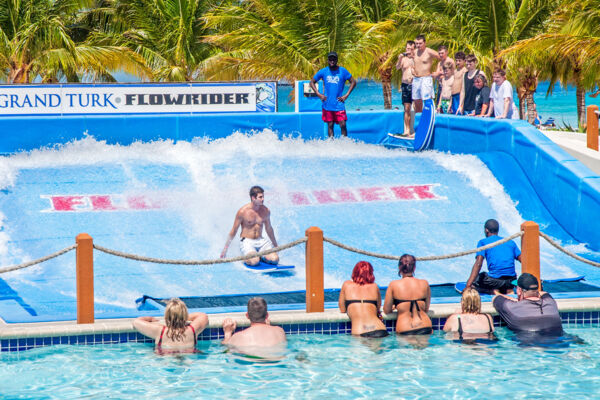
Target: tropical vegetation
285,40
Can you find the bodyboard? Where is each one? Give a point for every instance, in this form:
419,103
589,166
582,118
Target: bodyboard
266,267
423,133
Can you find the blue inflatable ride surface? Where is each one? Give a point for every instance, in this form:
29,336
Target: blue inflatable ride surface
165,197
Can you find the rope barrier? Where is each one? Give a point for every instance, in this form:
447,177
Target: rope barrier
567,252
38,261
202,262
428,258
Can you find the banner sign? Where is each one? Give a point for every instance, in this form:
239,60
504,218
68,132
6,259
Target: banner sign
186,98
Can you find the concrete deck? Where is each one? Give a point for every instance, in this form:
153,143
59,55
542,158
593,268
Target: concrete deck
575,144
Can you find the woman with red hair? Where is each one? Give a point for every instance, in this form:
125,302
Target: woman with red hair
361,299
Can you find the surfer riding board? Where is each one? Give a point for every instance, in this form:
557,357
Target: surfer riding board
252,217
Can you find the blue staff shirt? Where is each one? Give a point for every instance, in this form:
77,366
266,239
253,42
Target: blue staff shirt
333,82
500,259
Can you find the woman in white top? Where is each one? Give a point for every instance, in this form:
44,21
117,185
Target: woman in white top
501,97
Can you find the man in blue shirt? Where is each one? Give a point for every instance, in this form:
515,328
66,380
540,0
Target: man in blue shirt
500,262
334,78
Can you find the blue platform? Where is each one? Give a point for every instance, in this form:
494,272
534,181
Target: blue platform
168,186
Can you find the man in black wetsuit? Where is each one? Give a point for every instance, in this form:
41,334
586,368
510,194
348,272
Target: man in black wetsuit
534,311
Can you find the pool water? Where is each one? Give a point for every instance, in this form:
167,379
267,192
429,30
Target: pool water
315,366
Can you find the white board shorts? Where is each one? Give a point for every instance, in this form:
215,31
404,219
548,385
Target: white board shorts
422,88
248,246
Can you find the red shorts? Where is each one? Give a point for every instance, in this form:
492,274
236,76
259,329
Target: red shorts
334,116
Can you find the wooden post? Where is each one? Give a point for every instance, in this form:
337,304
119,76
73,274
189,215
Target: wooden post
592,127
315,296
85,279
530,250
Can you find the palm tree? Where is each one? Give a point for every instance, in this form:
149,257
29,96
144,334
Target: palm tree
167,34
37,41
378,45
570,49
484,28
278,39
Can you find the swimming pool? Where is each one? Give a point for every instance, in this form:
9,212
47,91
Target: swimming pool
315,366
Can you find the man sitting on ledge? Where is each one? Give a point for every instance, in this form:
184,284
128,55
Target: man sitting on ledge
500,263
261,339
534,311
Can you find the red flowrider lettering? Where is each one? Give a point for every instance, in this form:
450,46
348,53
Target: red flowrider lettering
345,195
299,199
424,192
373,194
324,197
413,192
102,203
67,203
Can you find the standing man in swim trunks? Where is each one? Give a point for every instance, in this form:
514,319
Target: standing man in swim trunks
460,60
439,71
406,62
252,217
334,78
500,263
422,86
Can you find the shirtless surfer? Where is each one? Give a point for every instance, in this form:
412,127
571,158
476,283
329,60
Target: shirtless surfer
422,85
252,217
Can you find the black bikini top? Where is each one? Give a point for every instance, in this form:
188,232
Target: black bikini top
413,303
348,302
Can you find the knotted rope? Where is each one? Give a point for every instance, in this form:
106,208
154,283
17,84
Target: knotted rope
202,262
38,261
428,258
567,252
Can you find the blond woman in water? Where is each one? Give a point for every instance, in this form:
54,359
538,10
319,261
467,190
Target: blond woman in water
179,332
470,323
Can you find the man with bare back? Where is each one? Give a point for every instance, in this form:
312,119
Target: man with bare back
406,64
252,217
422,86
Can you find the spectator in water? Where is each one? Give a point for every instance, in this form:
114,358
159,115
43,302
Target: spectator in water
261,339
180,331
532,311
470,323
360,298
410,297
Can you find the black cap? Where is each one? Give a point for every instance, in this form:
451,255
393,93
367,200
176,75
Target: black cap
332,54
527,282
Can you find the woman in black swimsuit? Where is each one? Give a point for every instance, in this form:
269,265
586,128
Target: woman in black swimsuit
410,297
361,299
180,332
470,323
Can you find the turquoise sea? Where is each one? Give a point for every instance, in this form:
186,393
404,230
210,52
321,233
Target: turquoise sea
560,105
